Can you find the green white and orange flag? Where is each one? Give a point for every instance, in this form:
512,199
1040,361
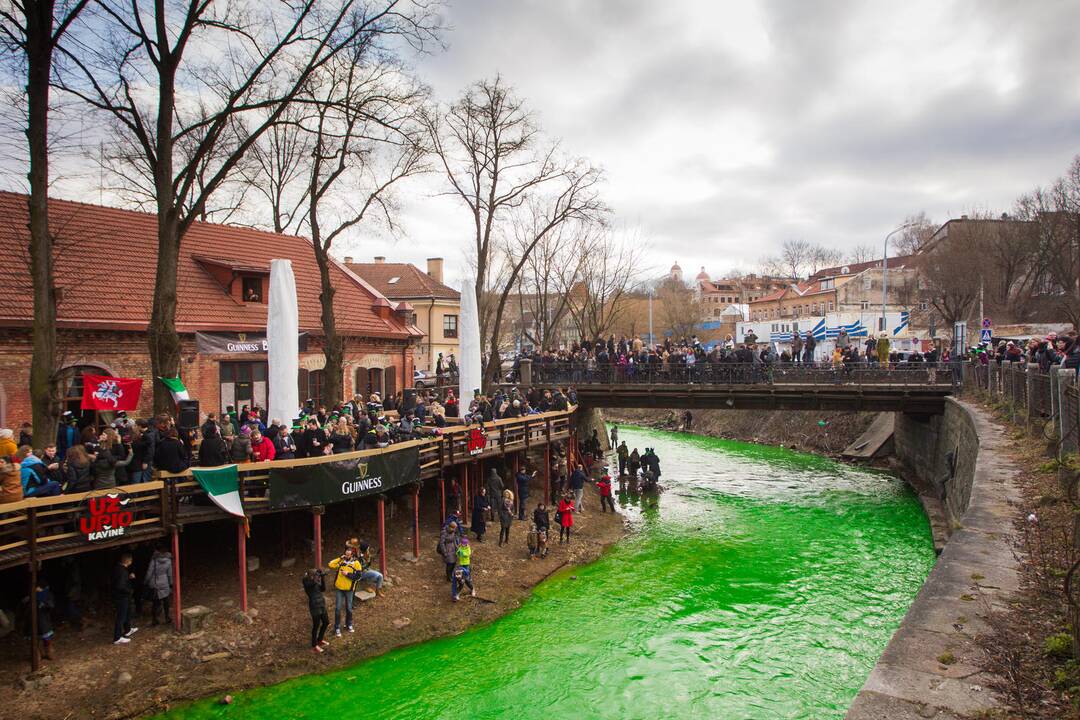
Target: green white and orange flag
222,484
176,387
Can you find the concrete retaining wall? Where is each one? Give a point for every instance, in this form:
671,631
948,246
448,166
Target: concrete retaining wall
940,453
960,456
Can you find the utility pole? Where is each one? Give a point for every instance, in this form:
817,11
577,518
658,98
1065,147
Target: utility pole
651,341
885,272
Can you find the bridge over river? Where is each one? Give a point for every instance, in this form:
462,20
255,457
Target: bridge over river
912,388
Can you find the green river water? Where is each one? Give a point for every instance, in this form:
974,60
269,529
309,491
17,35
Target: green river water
762,583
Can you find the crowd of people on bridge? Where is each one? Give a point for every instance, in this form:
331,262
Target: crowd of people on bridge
689,360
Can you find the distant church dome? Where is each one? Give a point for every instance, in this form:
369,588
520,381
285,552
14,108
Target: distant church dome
676,272
703,275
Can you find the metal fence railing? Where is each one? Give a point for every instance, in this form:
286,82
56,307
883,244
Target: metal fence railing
1031,396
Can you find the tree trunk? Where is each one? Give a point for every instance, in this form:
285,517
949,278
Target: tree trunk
163,340
44,398
334,344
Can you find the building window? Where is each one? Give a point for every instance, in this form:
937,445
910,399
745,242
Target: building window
243,383
924,306
830,306
252,289
867,283
449,326
71,379
864,305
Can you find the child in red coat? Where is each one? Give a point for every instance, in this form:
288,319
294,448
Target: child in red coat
604,485
565,516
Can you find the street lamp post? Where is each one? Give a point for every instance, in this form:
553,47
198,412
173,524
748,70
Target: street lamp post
885,272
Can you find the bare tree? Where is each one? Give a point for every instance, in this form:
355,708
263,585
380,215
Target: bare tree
334,159
795,256
30,33
610,268
496,163
553,265
912,239
1055,212
773,266
820,257
576,202
951,273
495,159
220,74
679,309
862,253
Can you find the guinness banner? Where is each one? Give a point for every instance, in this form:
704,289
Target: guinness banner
235,343
335,481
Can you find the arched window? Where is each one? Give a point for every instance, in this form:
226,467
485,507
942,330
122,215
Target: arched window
71,384
360,381
389,381
316,382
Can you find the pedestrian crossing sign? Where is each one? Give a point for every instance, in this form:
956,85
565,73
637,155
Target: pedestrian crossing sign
984,335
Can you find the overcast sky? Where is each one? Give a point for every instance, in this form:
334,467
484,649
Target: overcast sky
725,128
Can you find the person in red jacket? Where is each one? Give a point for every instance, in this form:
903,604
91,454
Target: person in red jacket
261,447
565,516
604,485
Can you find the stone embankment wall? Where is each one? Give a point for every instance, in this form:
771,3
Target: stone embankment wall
940,454
931,667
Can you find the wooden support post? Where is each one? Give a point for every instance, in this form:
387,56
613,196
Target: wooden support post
513,482
464,491
176,577
317,521
35,649
547,474
241,553
442,498
382,533
416,522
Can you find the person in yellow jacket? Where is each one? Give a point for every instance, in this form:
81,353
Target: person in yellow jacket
348,572
463,569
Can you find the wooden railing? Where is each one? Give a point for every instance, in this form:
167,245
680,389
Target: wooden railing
43,528
40,528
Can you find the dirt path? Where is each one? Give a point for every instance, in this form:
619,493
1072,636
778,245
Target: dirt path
91,678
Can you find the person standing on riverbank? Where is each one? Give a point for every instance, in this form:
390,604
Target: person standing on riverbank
565,517
614,436
542,524
623,454
522,481
577,485
506,517
480,508
604,486
462,570
123,587
314,587
448,542
348,572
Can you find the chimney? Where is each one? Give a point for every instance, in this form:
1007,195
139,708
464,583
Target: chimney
380,259
963,217
434,268
348,259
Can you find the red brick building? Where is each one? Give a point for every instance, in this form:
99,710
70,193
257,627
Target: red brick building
105,269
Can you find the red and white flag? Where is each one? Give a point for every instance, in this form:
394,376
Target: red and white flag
101,392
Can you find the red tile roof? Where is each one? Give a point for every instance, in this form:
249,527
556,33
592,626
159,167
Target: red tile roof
856,268
105,266
411,281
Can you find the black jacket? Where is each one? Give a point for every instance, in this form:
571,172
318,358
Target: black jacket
121,583
541,519
212,452
307,446
171,455
315,590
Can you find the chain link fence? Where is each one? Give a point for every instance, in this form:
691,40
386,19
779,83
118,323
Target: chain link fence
1048,400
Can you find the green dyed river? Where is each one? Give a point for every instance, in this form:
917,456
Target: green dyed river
762,583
